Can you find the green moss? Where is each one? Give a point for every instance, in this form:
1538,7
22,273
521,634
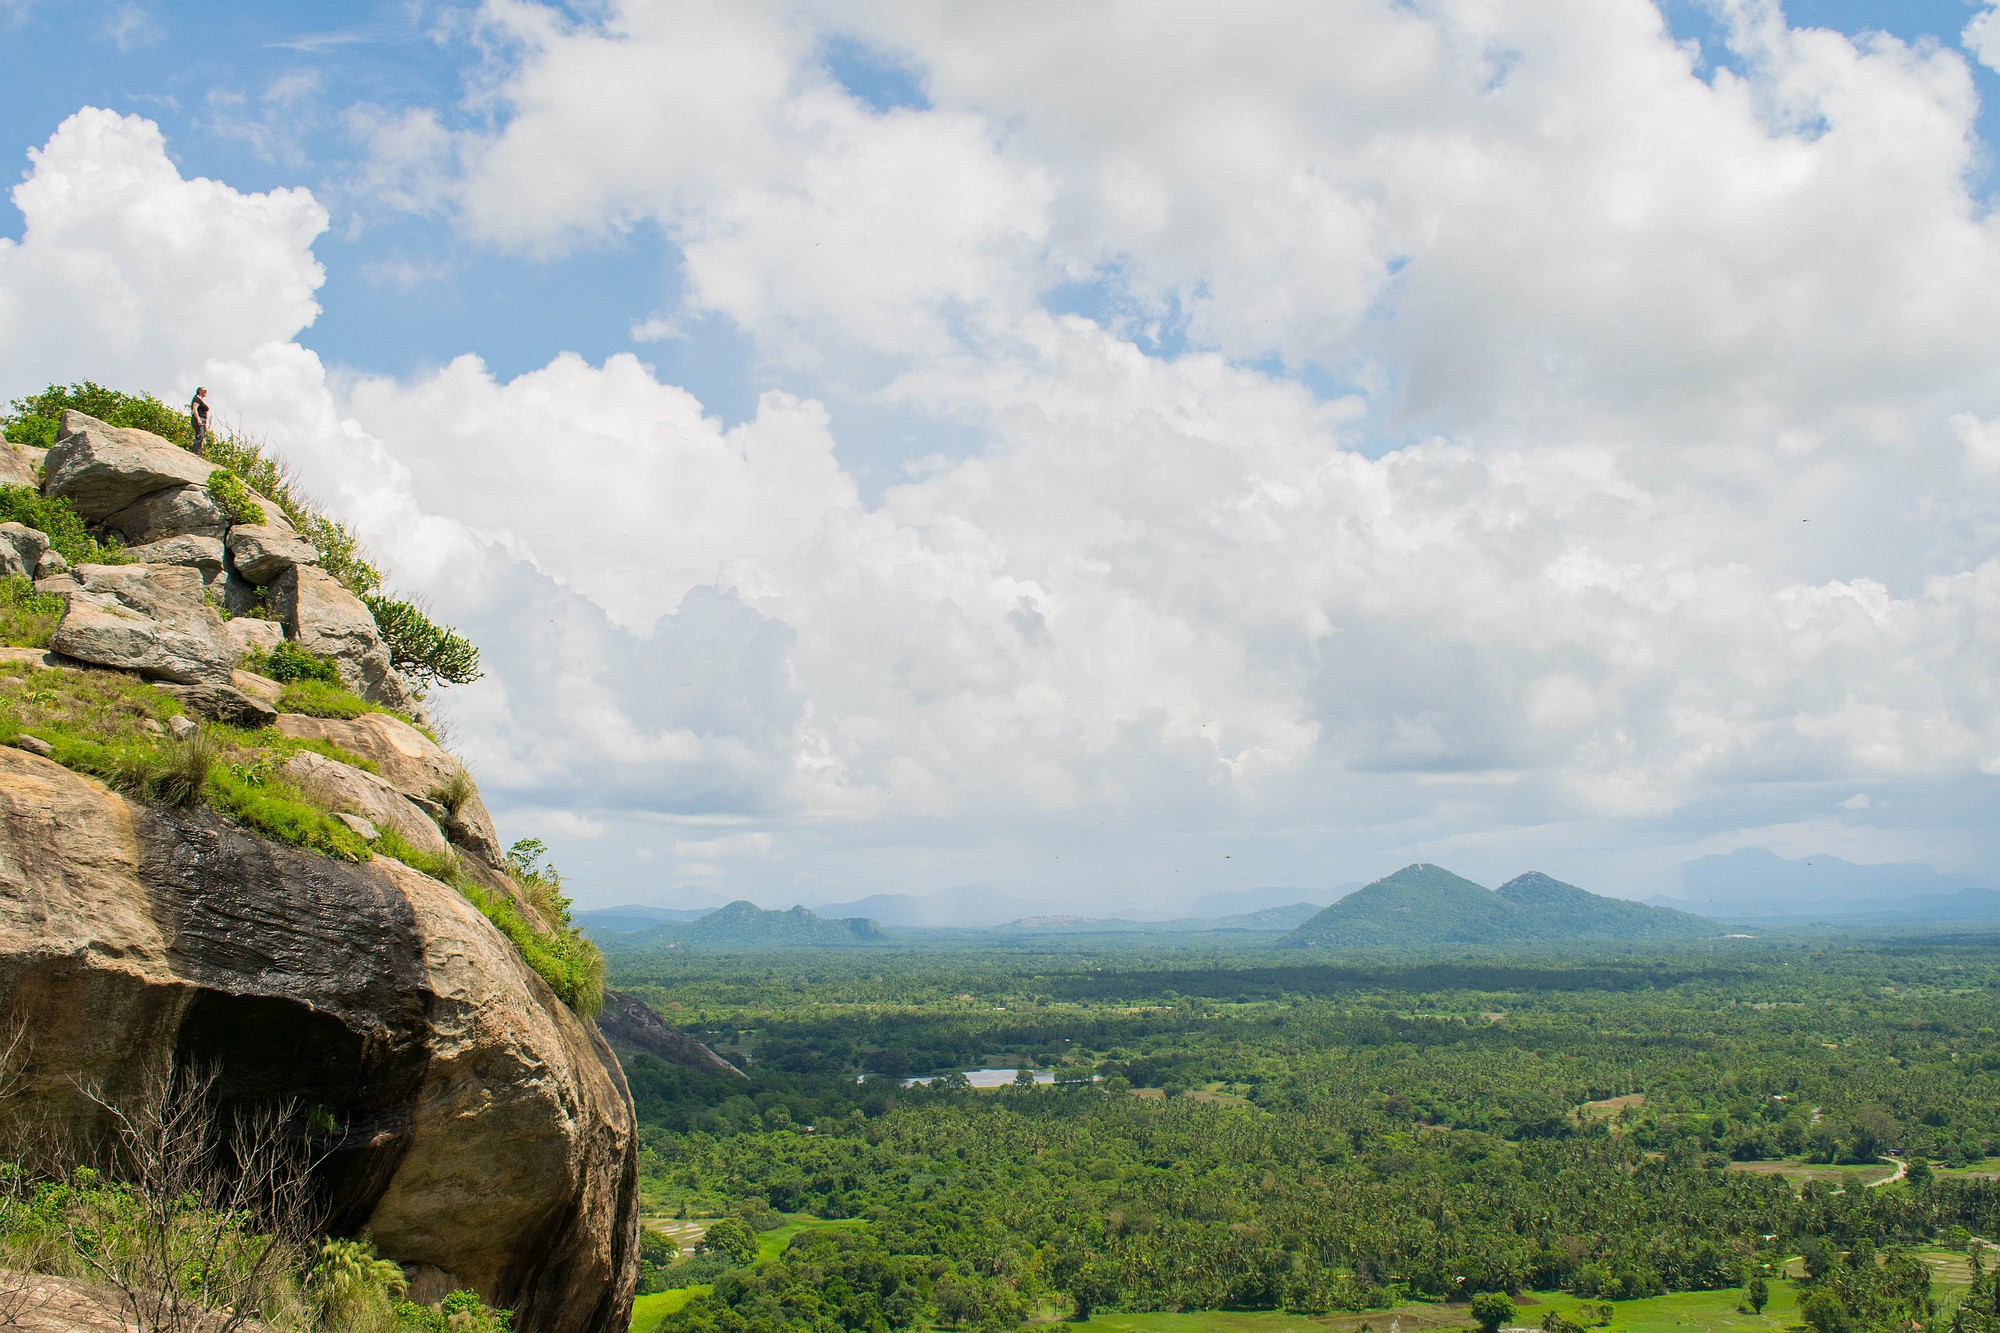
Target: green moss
27,618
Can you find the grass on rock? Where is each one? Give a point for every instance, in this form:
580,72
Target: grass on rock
27,618
117,728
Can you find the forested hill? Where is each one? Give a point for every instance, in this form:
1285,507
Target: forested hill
1426,906
744,925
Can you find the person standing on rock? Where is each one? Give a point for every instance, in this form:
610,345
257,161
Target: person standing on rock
198,418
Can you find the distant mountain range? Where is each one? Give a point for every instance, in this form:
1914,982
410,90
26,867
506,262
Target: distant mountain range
744,925
1426,906
966,906
1270,921
632,917
1754,884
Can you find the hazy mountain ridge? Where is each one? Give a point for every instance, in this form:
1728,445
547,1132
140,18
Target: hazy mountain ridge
1427,906
1755,884
744,925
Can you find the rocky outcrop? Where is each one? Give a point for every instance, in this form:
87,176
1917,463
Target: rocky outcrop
149,619
203,554
103,470
410,762
17,465
225,703
325,618
253,635
21,550
342,787
263,551
175,511
629,1025
485,1134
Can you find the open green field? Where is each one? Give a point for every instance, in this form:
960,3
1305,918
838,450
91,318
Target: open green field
1683,1312
770,1244
1800,1172
650,1309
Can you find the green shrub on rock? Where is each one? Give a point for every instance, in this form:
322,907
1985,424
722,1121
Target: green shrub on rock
233,498
287,662
35,420
68,537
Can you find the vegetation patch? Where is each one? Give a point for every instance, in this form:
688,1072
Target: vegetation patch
67,534
233,498
28,619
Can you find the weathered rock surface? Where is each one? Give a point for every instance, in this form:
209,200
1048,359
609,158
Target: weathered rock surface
225,703
173,512
199,553
248,632
251,683
343,787
17,466
489,1138
103,469
325,618
410,762
21,550
262,551
150,619
50,565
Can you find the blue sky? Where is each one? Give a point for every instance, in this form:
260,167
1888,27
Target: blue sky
1347,434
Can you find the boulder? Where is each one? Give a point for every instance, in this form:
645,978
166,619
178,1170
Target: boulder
225,703
171,512
489,1135
343,787
21,550
51,564
248,633
103,469
410,762
198,553
17,467
359,827
150,619
262,551
325,618
262,686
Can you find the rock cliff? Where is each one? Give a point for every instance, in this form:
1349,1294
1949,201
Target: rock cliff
484,1132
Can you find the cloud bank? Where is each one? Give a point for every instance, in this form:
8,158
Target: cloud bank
1393,427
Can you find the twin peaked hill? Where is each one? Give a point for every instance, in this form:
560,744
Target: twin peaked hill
1423,907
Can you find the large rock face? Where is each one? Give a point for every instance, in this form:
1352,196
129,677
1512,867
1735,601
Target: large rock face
325,618
102,469
488,1137
150,619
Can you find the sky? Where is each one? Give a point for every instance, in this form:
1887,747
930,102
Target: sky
1111,453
